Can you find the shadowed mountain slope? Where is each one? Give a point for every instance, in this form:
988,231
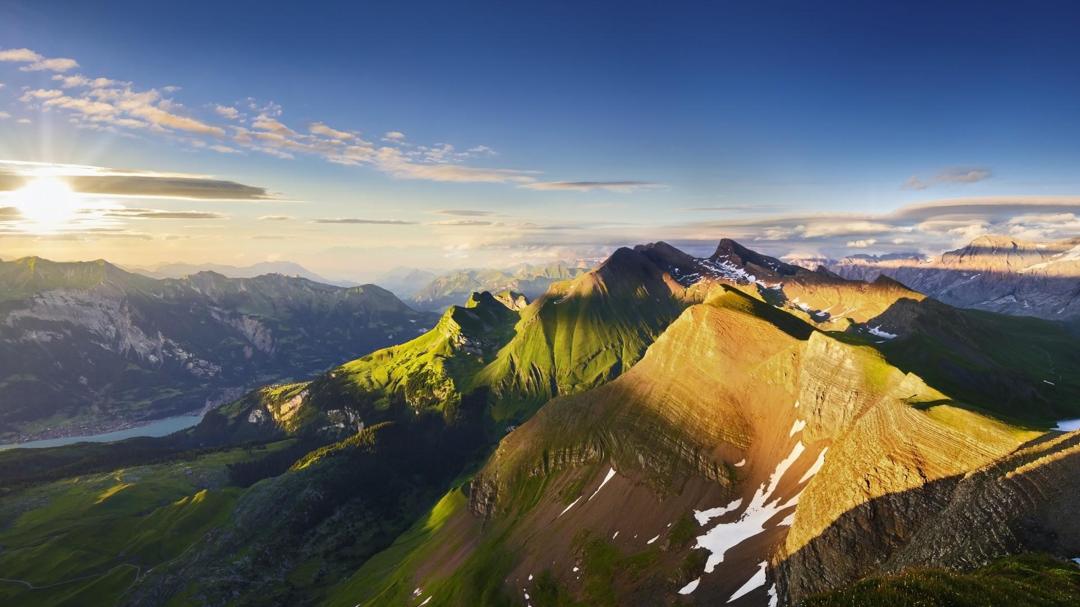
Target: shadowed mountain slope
87,346
741,436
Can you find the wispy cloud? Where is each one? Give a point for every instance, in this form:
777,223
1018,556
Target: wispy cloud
465,212
35,62
361,221
588,186
227,111
275,218
104,181
463,222
954,175
105,104
128,213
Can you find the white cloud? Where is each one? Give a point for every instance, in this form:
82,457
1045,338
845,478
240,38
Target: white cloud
227,111
37,62
19,55
862,244
318,128
119,107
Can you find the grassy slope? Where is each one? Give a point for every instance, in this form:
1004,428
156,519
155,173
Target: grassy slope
1023,369
82,540
1022,581
388,577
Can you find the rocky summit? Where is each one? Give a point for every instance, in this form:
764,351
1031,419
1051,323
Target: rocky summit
662,429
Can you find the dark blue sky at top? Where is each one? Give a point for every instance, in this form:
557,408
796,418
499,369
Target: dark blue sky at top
793,86
812,105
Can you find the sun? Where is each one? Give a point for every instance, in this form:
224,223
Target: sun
46,203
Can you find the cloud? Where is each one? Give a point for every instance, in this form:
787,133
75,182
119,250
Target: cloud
353,220
931,226
4,115
275,218
464,212
36,61
227,111
392,161
118,105
19,55
861,244
159,214
955,175
319,128
78,80
588,186
115,106
739,208
463,222
102,181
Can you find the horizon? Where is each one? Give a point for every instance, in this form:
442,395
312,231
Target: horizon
795,132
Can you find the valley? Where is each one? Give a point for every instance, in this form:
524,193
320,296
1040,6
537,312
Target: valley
662,429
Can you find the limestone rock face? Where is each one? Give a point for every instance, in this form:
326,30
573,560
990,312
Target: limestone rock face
993,273
88,346
1018,503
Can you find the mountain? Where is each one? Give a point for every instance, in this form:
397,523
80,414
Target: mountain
285,268
455,287
406,282
743,459
994,273
661,429
87,346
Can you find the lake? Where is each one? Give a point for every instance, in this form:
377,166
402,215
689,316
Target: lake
161,427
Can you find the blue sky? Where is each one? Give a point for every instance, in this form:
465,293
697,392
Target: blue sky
574,127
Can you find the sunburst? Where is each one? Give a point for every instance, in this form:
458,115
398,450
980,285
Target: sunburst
46,204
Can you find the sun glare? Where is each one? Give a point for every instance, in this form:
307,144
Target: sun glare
46,203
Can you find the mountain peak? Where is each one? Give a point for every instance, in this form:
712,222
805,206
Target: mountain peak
732,252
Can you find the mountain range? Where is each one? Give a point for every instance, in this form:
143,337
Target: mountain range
285,268
994,273
88,346
452,288
662,429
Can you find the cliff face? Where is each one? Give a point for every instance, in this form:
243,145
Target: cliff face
1019,503
85,347
803,462
993,273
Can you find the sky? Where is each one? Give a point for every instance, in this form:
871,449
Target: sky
359,138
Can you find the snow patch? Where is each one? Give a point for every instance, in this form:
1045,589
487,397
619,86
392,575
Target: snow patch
704,516
567,509
818,463
763,506
610,474
740,463
877,331
755,582
653,539
692,586
797,427
1068,425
